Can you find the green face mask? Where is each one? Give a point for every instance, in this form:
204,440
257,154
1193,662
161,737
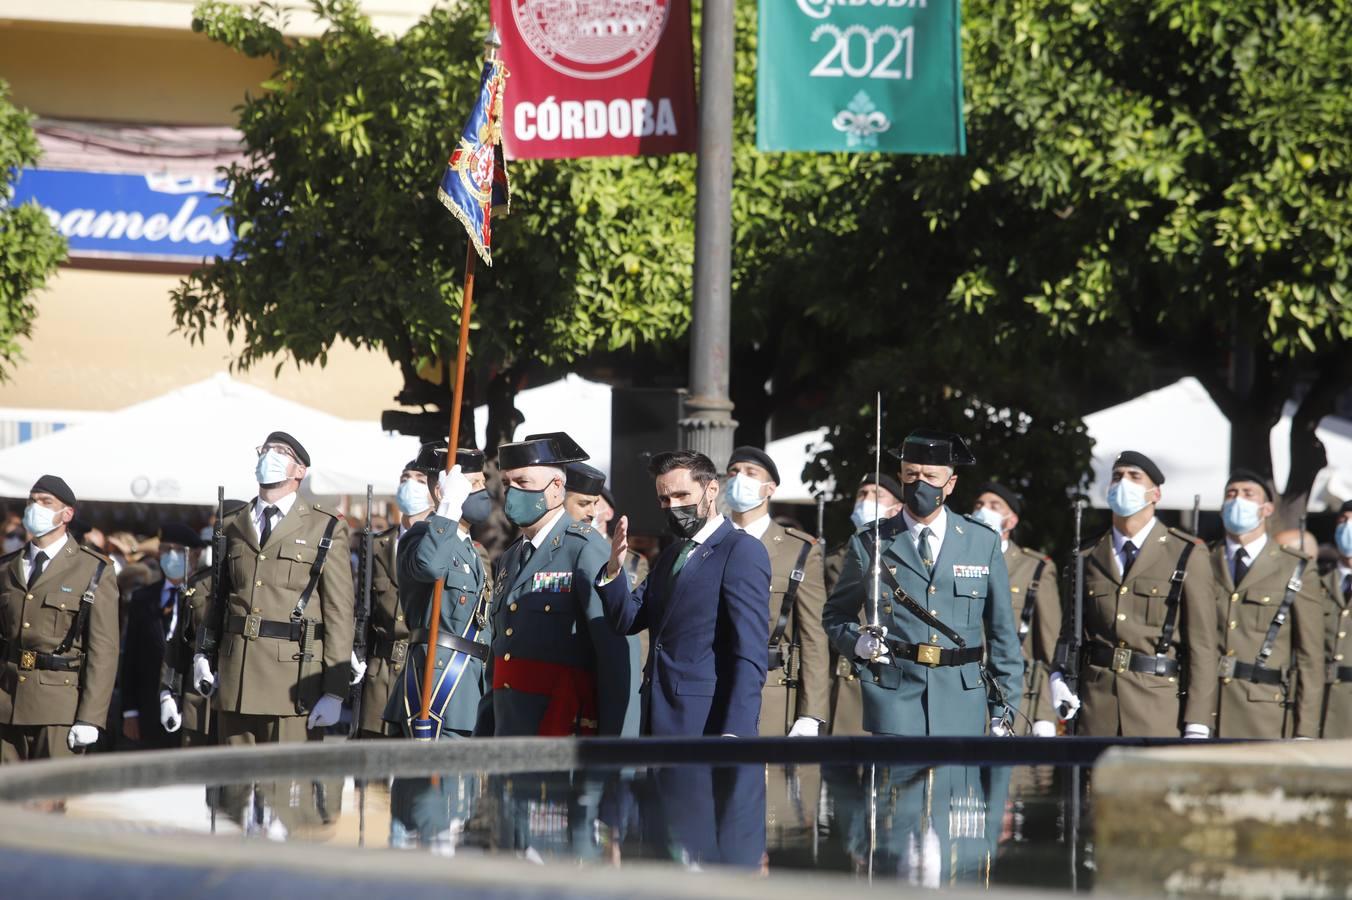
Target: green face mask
524,507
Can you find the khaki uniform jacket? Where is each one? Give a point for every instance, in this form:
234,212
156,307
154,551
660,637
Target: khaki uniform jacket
1130,614
1337,721
1244,612
384,627
805,628
194,708
39,620
1038,642
263,676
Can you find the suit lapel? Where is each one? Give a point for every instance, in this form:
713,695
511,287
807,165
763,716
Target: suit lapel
903,549
240,528
1153,549
545,552
1101,558
1264,566
955,532
692,562
290,523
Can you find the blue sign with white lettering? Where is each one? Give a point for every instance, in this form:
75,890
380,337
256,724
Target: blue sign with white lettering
151,217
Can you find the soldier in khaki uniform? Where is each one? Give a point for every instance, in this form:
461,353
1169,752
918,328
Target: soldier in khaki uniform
1271,619
1037,606
284,658
194,719
796,698
58,634
1145,586
1337,720
386,632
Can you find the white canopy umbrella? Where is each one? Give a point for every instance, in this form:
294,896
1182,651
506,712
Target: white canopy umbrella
791,454
572,404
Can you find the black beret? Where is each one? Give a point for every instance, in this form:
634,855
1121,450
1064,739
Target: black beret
51,484
1346,507
281,437
886,482
607,496
1012,500
1142,462
1251,475
930,447
583,479
759,457
178,533
555,449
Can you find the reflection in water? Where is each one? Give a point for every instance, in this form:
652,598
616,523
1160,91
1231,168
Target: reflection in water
305,810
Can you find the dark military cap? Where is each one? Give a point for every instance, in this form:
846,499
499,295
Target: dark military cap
583,479
553,449
51,484
607,496
930,447
1142,462
432,458
1346,507
886,482
1251,475
281,437
178,533
759,457
1005,493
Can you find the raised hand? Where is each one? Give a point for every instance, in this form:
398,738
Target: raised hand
619,546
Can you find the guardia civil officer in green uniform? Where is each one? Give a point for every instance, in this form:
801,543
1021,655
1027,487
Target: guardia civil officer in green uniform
556,667
924,674
1270,609
1037,605
58,634
437,547
1149,620
1337,716
279,630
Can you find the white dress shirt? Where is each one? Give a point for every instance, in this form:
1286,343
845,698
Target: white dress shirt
546,526
757,527
1137,539
708,530
1253,548
283,507
938,528
33,550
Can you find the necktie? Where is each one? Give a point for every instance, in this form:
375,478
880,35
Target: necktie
39,563
1241,565
1129,552
527,551
1347,588
168,611
681,557
924,548
267,526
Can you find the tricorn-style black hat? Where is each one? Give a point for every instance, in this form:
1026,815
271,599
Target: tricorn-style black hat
759,457
181,534
1142,462
930,447
432,458
1251,475
886,482
1005,493
1346,507
584,479
281,437
56,486
553,449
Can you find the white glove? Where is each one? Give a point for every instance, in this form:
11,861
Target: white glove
1064,697
1043,728
1196,732
169,717
998,728
455,490
326,712
81,736
202,678
870,644
358,669
805,726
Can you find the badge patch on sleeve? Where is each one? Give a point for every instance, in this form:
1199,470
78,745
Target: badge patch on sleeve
971,571
552,582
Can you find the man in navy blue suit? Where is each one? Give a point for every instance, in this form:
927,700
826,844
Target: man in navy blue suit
703,605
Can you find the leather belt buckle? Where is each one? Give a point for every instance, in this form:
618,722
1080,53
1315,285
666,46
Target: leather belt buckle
927,654
398,651
28,660
1121,659
251,626
1226,669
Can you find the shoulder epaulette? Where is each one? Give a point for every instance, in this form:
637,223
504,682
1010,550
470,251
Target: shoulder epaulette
889,529
581,528
9,557
1094,541
96,554
1296,552
801,535
326,511
1035,554
1186,536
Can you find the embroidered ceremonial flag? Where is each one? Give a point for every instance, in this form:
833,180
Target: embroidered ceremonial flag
475,184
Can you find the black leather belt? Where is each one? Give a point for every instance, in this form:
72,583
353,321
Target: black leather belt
1121,659
452,641
933,654
254,627
1338,674
1232,668
28,660
394,651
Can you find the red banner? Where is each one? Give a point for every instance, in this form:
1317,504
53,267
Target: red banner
597,77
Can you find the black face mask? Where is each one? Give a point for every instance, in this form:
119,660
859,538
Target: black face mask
477,508
922,498
685,521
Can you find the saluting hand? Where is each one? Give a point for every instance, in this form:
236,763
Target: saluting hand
619,546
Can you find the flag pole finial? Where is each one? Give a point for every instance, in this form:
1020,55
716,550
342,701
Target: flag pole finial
492,42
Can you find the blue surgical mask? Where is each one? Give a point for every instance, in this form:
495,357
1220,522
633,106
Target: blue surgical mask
38,520
524,507
1240,516
744,493
272,467
866,512
991,519
413,497
1342,536
477,508
1126,498
174,564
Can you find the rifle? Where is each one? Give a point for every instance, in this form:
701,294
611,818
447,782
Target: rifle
363,615
209,638
1196,513
1068,651
874,625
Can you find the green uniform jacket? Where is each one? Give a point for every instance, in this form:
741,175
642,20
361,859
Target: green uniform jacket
1337,722
194,709
432,550
1131,614
384,627
39,620
547,610
1244,612
1038,642
968,591
804,629
847,700
262,676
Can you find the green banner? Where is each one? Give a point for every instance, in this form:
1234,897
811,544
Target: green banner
862,76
